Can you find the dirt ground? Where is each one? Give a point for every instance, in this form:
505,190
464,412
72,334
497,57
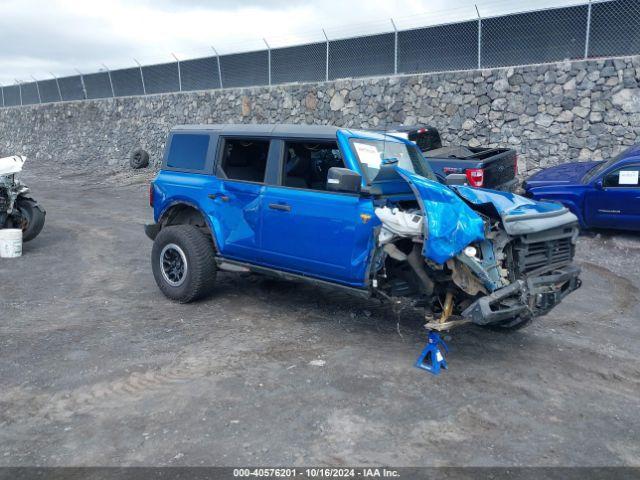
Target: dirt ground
98,368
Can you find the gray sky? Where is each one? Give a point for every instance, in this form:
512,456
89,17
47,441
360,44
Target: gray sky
42,36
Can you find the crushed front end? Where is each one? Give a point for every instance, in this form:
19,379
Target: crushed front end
470,256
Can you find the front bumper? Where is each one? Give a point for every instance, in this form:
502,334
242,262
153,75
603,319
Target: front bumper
530,297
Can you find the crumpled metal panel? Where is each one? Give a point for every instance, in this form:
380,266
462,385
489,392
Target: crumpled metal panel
508,204
451,224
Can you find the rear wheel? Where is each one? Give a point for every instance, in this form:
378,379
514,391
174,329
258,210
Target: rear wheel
183,263
31,218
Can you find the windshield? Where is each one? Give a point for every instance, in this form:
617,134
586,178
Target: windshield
594,172
372,153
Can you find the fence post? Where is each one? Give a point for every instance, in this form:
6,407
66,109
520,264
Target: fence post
586,40
113,93
218,62
2,91
326,68
19,90
58,86
479,38
395,47
37,89
84,87
179,72
268,59
144,89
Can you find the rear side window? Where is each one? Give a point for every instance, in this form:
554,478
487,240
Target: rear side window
188,151
245,159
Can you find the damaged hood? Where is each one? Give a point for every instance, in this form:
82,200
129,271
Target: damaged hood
450,224
519,215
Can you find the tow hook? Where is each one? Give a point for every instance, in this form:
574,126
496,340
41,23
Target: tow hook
432,358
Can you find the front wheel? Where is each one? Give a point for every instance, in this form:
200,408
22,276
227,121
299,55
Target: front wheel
31,218
183,263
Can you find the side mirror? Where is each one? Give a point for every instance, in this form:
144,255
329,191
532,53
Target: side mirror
343,180
456,179
599,185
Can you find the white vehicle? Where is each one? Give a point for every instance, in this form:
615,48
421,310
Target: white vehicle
17,209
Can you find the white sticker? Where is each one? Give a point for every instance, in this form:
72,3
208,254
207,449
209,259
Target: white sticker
628,177
368,154
333,180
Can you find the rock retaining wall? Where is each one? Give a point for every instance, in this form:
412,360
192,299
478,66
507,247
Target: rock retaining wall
550,113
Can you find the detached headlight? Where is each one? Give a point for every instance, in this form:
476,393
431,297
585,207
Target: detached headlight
470,251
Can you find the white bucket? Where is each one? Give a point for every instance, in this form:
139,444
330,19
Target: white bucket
10,242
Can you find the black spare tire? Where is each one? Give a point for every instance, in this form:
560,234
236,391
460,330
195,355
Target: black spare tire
139,159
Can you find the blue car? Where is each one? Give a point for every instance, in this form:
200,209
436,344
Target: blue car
356,210
601,194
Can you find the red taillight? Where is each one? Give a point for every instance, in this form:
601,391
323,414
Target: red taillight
475,176
151,194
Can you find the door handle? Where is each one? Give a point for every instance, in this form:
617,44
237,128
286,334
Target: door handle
280,206
222,197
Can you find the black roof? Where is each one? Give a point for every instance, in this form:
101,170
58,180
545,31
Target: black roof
267,130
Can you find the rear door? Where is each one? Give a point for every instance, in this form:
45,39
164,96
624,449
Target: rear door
617,203
235,198
309,230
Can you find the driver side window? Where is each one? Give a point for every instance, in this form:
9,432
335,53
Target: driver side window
626,177
307,164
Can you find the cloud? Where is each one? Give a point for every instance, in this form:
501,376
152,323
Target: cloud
39,36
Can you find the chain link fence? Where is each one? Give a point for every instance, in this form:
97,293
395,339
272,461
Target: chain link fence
602,28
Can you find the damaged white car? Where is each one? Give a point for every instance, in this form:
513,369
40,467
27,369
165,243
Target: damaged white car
17,208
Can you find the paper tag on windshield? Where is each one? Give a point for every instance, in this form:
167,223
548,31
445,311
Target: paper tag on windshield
628,177
368,154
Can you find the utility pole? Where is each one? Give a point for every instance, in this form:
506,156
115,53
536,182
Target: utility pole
479,38
218,62
84,87
179,73
37,89
586,40
268,59
144,89
19,90
326,69
57,85
113,93
395,47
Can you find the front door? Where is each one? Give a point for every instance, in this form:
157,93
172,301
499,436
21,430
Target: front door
617,203
309,230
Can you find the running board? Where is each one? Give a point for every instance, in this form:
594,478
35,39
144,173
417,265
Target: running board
236,266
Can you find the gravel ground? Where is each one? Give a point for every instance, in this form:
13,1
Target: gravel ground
98,368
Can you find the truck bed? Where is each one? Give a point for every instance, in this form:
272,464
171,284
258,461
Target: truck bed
497,166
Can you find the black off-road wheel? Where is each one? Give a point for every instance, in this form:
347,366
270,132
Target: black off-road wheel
31,219
139,159
183,263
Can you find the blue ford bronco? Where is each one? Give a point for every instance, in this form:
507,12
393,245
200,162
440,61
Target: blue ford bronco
356,210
